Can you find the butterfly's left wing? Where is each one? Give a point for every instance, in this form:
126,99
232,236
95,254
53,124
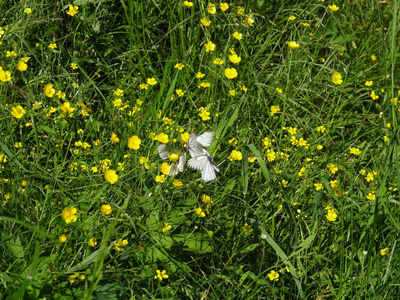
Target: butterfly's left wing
198,162
194,147
208,173
182,162
173,169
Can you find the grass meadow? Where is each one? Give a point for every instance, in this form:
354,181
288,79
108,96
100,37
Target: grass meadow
302,98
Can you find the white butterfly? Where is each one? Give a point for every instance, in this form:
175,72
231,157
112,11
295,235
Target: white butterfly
201,159
164,151
196,143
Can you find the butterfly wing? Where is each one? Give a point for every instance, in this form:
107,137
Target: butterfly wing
182,162
198,162
205,139
194,147
164,150
173,169
208,173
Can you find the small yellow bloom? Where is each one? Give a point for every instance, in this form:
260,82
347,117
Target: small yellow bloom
119,93
237,35
333,7
17,111
273,276
374,96
161,275
163,227
249,21
231,73
235,155
73,10
49,91
179,92
384,251
223,6
200,213
274,109
373,57
27,10
185,137
200,75
292,18
371,196
318,186
164,168
93,242
74,66
355,151
234,58
114,138
111,176
331,215
119,244
62,238
162,138
240,10
177,183
179,66
210,46
211,8
188,4
336,78
369,83
22,66
160,178
53,46
106,209
320,147
134,142
144,161
69,216
205,22
246,227
293,45
151,81
279,90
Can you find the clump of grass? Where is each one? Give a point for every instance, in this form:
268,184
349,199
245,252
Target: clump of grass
303,102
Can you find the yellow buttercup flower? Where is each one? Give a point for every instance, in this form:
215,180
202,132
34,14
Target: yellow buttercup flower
223,6
17,111
106,209
161,275
162,138
384,251
293,45
114,138
73,10
111,176
333,7
336,78
177,183
93,242
205,22
188,4
5,75
62,238
49,91
231,73
211,8
234,58
235,155
134,142
210,46
273,276
237,35
69,216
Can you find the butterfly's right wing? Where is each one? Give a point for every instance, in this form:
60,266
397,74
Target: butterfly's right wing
205,139
208,173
